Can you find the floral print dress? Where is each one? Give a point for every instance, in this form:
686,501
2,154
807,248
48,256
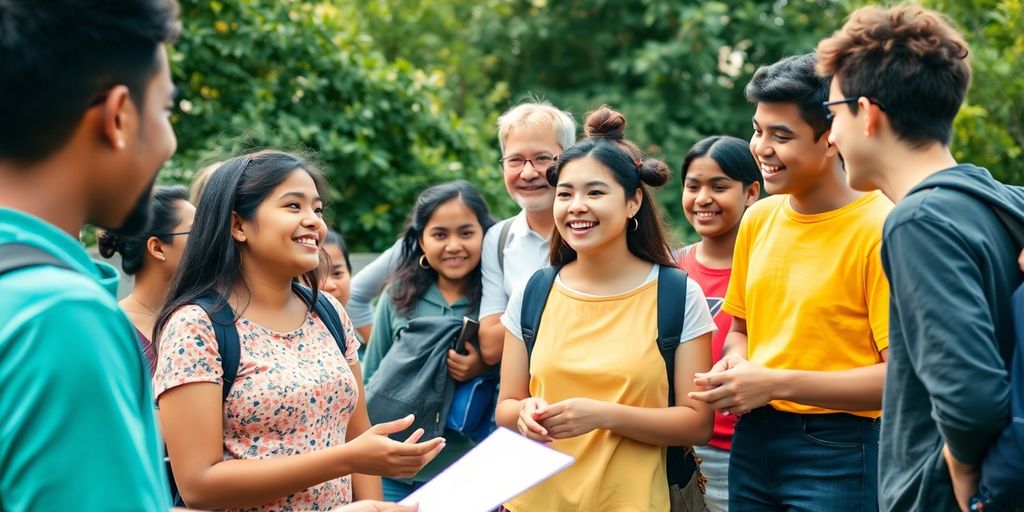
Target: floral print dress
295,392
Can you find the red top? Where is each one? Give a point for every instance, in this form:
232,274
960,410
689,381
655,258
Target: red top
714,282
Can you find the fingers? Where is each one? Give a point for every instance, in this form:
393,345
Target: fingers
392,427
412,439
711,395
544,413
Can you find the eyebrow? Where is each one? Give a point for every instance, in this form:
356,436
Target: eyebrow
716,178
299,195
776,127
594,183
464,226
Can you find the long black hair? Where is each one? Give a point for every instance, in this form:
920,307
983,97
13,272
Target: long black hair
606,142
410,281
212,261
164,216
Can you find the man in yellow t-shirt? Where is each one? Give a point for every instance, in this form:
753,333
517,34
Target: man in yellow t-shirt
805,357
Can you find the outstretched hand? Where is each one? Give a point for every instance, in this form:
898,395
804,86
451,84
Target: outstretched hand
374,453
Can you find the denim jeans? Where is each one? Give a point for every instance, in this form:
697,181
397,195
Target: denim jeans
804,462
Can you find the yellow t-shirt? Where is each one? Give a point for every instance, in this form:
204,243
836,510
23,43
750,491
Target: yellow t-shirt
602,348
812,288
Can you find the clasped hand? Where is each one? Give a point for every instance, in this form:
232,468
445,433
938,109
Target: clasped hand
734,386
562,420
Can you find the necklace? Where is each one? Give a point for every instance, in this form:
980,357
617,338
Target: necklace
139,302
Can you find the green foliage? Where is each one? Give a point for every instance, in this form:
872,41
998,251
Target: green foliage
395,95
297,75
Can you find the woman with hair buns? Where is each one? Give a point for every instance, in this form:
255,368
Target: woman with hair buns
595,385
152,258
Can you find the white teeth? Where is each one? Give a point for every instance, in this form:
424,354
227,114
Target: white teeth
582,225
706,214
770,169
307,241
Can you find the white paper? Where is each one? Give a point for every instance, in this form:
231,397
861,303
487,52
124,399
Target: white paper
498,469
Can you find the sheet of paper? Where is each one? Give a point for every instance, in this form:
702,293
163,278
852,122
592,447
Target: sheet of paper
495,471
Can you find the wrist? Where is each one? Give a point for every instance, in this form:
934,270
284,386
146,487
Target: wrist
606,415
344,460
780,384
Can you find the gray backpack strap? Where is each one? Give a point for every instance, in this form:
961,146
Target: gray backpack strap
502,240
17,256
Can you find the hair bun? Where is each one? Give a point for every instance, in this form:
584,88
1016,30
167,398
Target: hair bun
108,243
653,172
605,123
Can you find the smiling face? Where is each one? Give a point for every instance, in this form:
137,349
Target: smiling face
287,230
591,208
452,240
338,281
712,201
860,153
527,183
791,159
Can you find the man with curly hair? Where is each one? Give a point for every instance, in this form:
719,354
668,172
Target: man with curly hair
899,76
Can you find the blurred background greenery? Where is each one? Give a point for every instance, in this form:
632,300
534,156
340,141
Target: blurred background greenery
395,95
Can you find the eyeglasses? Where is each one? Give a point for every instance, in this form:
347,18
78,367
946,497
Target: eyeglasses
179,233
514,163
829,114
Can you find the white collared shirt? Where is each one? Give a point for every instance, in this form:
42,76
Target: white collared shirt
526,252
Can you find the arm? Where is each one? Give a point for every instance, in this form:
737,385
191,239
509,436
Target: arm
689,422
364,487
367,285
78,427
191,416
515,405
950,335
738,386
381,340
493,300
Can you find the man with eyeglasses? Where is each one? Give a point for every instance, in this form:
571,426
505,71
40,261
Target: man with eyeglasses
899,77
532,135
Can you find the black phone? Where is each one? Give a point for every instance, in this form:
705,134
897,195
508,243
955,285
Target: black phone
467,334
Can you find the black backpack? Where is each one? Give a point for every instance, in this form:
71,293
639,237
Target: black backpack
671,302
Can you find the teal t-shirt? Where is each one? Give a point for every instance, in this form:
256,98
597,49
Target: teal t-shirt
77,425
388,322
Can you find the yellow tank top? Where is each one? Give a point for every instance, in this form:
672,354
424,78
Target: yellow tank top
603,348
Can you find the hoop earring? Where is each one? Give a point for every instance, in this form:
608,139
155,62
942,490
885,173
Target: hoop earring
636,224
423,262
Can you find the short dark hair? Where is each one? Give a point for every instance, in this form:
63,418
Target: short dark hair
410,281
910,59
730,153
59,55
793,80
606,142
164,216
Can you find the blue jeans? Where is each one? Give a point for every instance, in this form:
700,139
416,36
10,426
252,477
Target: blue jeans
397,490
715,467
803,462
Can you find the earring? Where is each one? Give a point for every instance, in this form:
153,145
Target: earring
636,224
120,144
423,262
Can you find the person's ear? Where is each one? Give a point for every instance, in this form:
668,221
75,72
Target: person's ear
237,228
831,150
155,247
634,203
118,115
752,194
872,116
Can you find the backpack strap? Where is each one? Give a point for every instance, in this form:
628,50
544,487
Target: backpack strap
672,282
502,240
223,319
16,256
535,298
327,313
671,304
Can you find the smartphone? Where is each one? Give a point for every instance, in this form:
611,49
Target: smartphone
467,334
